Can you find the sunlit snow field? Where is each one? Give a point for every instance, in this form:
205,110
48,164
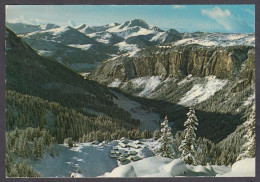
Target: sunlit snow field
91,160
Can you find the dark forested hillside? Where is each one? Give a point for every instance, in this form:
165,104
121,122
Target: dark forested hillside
25,111
32,74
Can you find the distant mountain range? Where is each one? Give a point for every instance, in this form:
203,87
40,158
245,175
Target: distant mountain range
82,48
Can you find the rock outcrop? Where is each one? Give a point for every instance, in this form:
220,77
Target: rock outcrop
180,61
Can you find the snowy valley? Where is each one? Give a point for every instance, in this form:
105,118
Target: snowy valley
129,100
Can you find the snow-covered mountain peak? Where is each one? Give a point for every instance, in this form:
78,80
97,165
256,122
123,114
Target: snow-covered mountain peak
49,26
58,31
81,26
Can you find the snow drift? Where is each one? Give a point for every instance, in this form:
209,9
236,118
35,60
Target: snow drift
159,167
242,168
165,167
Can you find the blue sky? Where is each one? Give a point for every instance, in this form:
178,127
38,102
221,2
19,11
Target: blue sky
184,18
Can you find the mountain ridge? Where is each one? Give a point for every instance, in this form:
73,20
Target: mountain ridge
100,43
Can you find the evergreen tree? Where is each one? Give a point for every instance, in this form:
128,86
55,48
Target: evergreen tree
35,149
166,149
248,149
51,150
188,145
70,142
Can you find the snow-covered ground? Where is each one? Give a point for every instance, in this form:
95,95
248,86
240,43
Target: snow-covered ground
148,84
83,47
160,36
201,92
54,32
88,159
93,160
162,167
85,160
148,119
242,168
116,83
165,167
132,49
250,100
44,53
145,85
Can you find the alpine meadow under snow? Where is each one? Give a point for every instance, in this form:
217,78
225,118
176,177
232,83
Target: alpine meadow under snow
128,100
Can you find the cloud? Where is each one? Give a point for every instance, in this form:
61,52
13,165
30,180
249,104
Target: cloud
35,21
216,12
225,19
72,23
178,7
250,11
22,19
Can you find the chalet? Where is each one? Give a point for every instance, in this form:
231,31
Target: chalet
122,145
124,140
112,152
113,156
137,142
125,154
121,151
133,145
115,148
121,158
132,152
135,158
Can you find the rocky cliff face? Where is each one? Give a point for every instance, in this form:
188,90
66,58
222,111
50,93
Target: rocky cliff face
180,61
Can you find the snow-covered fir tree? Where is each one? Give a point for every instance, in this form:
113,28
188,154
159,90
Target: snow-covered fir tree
166,140
188,145
248,149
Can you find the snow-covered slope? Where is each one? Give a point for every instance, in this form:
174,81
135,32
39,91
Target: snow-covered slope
242,168
201,92
146,85
63,35
162,167
148,119
218,39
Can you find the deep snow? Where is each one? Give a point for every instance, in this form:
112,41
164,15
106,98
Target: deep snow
242,168
161,167
91,160
165,167
88,159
